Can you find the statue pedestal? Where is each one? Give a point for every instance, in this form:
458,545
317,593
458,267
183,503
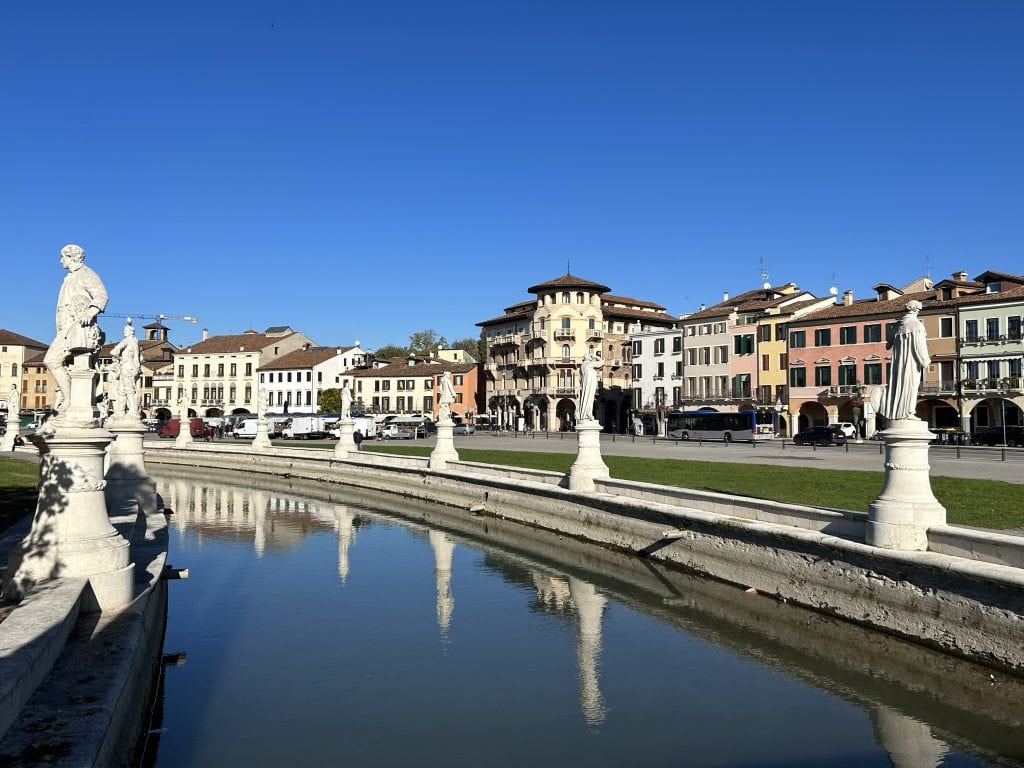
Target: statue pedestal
7,441
262,440
184,438
128,482
900,517
589,466
346,444
444,450
71,533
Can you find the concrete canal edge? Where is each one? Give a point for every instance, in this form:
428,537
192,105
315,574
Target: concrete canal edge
76,688
963,596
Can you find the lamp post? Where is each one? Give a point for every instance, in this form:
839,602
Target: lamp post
1003,392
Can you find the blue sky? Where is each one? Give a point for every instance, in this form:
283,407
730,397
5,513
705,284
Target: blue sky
366,170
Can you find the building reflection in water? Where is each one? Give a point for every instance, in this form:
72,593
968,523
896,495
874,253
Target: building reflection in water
276,519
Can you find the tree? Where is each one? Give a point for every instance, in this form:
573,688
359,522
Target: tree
329,400
391,350
471,347
426,342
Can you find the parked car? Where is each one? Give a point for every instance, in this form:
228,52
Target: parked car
994,436
197,428
830,435
847,428
463,429
950,436
392,432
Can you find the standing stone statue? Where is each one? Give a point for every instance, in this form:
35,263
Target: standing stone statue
909,358
82,297
445,397
262,401
346,403
183,409
589,367
128,360
13,407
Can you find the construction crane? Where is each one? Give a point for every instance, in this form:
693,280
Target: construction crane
185,318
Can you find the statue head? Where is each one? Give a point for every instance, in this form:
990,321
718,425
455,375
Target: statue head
129,329
914,306
72,256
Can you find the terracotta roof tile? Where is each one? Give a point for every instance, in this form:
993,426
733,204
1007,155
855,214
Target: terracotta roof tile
304,358
568,281
609,299
248,342
17,340
400,369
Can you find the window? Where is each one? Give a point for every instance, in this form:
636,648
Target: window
206,370
766,361
248,394
780,332
993,369
248,369
220,369
890,331
848,334
847,374
659,346
872,333
637,371
457,379
743,344
823,337
992,328
872,373
822,375
971,330
638,347
677,341
945,327
1013,329
234,369
181,371
661,370
972,369
783,361
232,394
289,377
1015,365
798,377
764,333
195,371
798,339
565,297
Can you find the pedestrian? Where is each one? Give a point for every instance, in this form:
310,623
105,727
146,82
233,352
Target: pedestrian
357,438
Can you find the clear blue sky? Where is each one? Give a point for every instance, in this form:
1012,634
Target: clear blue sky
366,170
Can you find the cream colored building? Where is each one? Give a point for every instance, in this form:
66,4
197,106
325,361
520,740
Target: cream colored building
15,351
535,348
219,373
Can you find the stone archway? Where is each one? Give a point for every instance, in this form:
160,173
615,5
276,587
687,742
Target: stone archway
162,414
811,414
565,415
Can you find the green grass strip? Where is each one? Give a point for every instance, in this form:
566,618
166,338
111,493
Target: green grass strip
18,481
982,503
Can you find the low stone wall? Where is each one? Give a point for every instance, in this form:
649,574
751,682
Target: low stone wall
965,597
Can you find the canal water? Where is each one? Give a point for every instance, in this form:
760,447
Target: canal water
321,626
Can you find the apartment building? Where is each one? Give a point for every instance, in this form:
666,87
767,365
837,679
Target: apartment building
219,373
15,351
294,381
410,386
535,347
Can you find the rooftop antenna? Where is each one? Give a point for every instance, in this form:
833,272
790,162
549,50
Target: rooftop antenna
567,270
928,266
764,274
833,291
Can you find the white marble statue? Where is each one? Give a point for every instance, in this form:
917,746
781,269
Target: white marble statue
589,367
909,358
128,364
183,408
346,403
82,297
262,402
446,396
13,405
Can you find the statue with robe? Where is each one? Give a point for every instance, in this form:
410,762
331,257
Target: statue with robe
909,359
589,367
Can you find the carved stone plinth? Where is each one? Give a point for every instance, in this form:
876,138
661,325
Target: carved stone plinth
589,465
444,450
184,438
71,533
262,440
7,441
900,517
346,444
128,483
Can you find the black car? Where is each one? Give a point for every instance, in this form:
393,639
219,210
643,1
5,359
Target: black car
994,436
831,435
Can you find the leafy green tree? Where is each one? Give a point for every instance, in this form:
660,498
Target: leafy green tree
389,351
425,342
329,400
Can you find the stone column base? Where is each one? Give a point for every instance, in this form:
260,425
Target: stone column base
444,450
589,465
262,440
346,444
128,482
900,517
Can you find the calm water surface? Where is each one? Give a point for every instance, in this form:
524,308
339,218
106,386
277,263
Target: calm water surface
323,629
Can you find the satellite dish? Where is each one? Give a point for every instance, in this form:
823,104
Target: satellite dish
833,290
767,285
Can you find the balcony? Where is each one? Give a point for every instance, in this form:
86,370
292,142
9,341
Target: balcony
842,390
595,333
565,391
507,338
938,388
565,334
1011,385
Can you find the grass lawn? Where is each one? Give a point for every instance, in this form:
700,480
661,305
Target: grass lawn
17,490
983,503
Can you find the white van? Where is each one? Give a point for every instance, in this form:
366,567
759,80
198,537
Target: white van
246,429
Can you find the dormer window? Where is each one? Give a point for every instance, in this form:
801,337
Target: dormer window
995,287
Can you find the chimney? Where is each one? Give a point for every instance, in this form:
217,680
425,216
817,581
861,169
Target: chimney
960,276
702,307
206,333
847,298
725,295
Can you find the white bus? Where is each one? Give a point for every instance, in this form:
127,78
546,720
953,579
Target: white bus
713,425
